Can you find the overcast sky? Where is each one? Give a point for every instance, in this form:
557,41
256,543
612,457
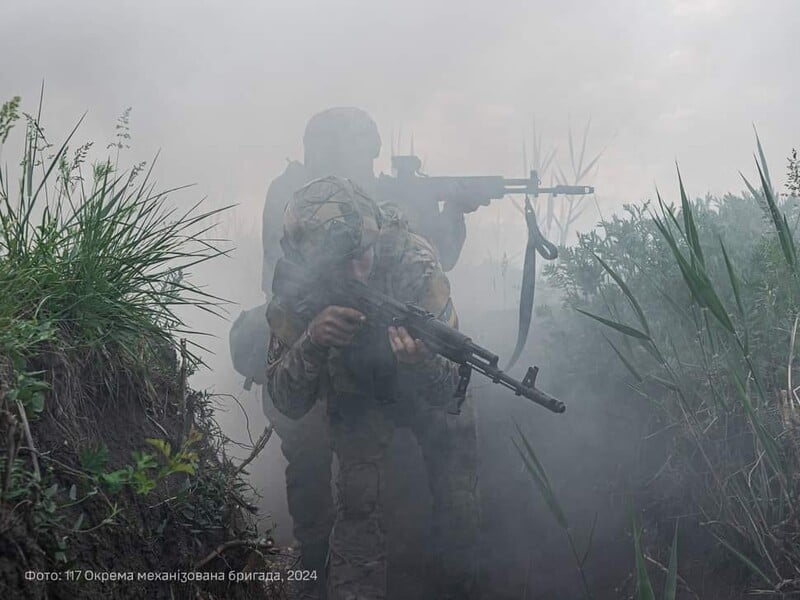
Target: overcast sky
224,89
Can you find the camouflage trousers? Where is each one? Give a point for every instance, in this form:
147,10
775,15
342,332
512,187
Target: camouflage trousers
361,432
306,445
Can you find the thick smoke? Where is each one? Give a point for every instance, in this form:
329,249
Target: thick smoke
225,90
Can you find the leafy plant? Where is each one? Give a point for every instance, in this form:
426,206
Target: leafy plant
146,472
182,461
29,390
94,459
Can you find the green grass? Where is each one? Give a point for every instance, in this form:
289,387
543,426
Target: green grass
95,251
95,266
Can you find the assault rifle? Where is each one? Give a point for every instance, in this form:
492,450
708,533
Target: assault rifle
311,294
408,182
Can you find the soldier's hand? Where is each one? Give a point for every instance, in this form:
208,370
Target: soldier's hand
464,199
335,326
406,348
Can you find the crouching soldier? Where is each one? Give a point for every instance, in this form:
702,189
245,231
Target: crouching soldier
368,375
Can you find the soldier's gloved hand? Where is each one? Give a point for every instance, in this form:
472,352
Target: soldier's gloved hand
463,199
335,326
407,349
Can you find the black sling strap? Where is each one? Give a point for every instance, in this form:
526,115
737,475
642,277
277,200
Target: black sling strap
536,244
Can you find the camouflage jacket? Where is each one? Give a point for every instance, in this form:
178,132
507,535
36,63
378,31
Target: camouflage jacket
300,372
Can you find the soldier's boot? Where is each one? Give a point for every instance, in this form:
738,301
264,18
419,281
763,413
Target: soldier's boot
454,576
312,559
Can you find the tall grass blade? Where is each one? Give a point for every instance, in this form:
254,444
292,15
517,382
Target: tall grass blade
586,552
779,220
746,561
737,294
763,160
644,589
671,583
625,290
540,478
625,329
571,150
56,159
583,144
696,279
688,222
765,439
625,361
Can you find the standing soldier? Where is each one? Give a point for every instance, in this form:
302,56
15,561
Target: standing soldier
365,376
344,141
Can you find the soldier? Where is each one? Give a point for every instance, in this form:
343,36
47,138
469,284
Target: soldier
343,141
366,376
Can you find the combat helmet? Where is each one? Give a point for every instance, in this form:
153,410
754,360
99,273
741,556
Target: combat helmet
329,220
342,129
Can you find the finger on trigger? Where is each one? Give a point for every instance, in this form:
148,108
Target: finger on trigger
351,315
392,338
408,342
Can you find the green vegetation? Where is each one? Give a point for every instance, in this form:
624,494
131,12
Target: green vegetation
700,304
146,472
99,260
644,589
105,447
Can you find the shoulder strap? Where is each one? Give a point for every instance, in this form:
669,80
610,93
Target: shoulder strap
536,244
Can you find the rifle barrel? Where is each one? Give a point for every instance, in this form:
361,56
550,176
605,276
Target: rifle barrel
529,186
531,393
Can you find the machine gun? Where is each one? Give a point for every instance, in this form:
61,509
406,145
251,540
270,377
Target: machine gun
311,294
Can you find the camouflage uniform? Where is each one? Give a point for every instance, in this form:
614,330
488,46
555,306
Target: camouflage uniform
301,374
305,443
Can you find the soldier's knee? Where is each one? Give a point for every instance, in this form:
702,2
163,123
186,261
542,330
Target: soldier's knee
359,489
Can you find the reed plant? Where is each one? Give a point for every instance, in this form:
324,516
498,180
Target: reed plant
700,303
